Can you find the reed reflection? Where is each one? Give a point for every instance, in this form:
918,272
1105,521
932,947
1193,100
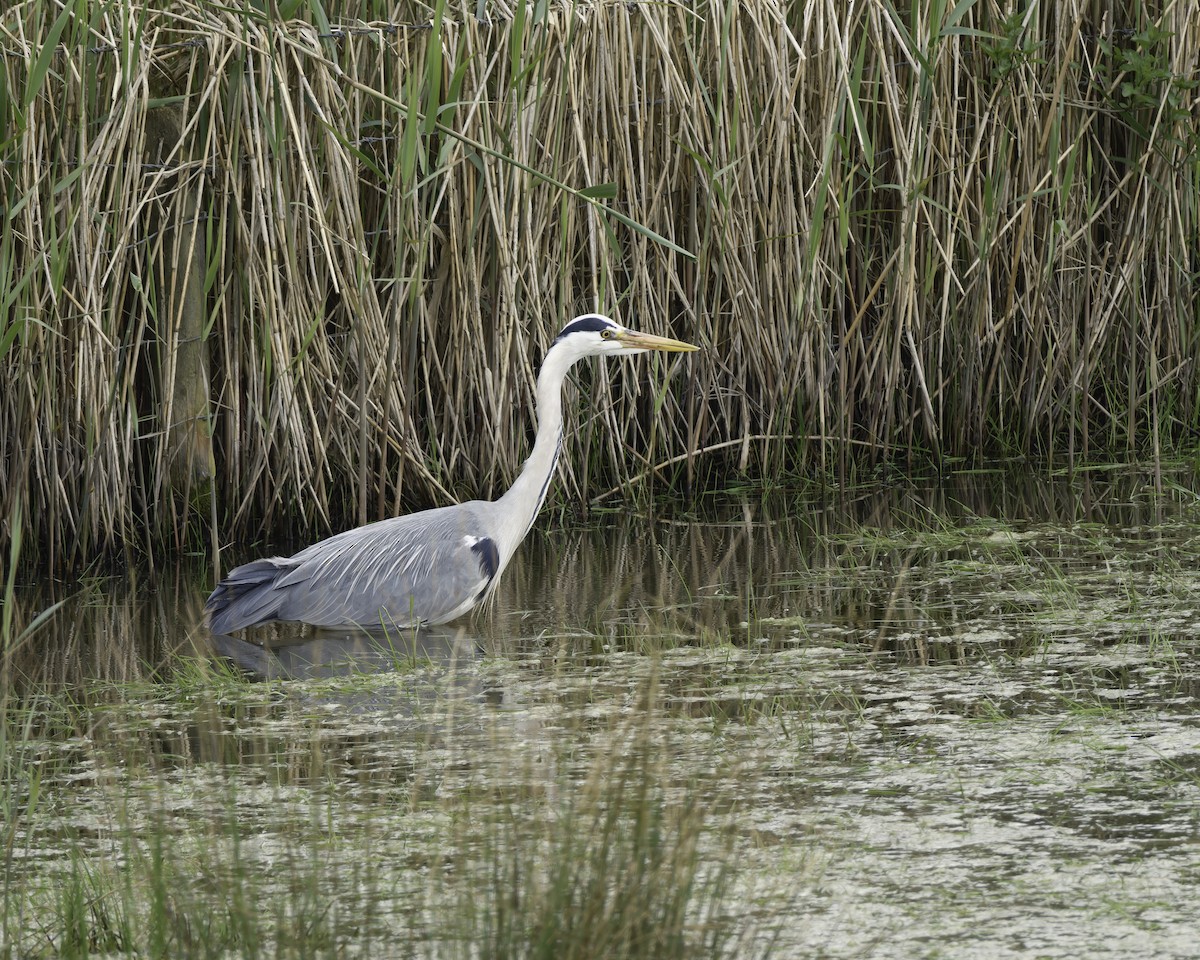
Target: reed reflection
895,567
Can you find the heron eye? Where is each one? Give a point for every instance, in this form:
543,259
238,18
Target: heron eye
606,333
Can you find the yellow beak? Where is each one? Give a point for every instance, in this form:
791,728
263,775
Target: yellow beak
647,341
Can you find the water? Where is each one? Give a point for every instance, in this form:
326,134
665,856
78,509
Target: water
952,719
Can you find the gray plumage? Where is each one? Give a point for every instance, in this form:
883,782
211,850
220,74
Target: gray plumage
428,567
421,568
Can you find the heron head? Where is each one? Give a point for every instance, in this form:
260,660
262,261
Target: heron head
593,334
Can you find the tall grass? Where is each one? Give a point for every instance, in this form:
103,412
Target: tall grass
135,824
265,275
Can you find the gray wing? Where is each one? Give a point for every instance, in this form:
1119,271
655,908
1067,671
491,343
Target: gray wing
427,567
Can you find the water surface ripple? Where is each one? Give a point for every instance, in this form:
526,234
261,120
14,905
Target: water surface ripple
954,719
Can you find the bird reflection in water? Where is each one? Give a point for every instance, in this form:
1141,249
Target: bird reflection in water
346,652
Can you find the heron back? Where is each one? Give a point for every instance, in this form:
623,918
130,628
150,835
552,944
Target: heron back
424,568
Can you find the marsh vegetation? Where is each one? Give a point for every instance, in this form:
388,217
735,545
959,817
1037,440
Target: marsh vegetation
294,271
869,722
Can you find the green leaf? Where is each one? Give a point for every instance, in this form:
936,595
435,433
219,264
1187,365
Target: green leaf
601,191
14,329
41,65
5,105
968,32
645,231
856,113
433,71
959,11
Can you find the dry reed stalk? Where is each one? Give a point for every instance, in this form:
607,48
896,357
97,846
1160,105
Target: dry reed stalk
952,232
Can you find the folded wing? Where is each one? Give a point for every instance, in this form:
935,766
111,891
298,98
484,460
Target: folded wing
428,568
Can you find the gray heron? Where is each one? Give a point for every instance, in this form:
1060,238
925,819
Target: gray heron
433,566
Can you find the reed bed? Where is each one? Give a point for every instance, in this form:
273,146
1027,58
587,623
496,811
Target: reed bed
268,275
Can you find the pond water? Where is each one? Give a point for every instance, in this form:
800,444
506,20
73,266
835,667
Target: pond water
957,718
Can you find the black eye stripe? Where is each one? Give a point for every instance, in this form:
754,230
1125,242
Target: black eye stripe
584,324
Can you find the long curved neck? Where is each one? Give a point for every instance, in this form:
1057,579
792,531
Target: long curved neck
520,505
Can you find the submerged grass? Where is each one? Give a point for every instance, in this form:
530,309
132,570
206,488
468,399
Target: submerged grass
261,273
619,871
288,848
166,894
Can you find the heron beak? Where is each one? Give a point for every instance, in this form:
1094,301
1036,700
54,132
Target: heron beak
647,341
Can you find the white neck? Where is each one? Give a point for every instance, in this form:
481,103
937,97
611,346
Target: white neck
520,505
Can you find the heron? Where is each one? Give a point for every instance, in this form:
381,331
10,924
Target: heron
433,566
